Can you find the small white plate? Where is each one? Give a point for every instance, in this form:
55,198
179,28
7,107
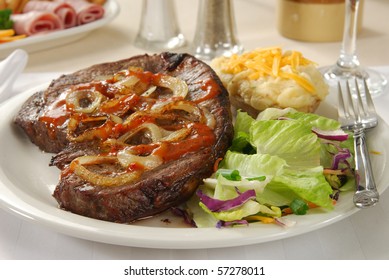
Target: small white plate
58,38
27,183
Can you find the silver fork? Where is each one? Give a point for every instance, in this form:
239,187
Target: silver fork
357,113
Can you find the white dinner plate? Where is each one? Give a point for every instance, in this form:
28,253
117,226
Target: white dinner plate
27,183
61,37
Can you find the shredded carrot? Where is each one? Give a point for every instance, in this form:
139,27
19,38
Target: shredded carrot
287,211
266,220
7,32
11,38
216,164
333,171
311,205
8,35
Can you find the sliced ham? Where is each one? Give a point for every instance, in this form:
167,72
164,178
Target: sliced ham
63,10
86,12
36,22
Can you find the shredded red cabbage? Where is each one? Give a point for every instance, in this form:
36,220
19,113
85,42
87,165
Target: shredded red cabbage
285,222
216,205
338,135
341,156
221,224
184,214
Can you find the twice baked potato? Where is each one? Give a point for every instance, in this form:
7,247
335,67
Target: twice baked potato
269,77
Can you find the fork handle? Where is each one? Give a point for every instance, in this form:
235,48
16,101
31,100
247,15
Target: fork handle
366,194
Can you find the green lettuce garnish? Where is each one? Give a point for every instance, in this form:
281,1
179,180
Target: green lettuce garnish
279,157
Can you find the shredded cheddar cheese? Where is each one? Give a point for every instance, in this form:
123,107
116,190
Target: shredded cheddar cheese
270,62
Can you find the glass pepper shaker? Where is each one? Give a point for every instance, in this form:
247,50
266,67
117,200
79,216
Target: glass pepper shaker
216,30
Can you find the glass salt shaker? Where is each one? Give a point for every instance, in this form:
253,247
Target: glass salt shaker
159,28
216,30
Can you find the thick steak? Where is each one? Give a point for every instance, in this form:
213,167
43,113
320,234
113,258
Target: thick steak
155,190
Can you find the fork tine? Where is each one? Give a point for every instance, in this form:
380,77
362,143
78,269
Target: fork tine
351,104
360,106
341,107
369,100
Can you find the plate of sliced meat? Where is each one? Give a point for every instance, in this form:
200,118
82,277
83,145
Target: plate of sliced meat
49,24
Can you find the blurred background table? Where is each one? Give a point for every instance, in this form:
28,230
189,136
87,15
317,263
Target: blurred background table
256,26
364,235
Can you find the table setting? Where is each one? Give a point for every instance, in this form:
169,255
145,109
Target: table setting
33,227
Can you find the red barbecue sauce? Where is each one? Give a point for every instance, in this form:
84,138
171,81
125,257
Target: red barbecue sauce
210,87
201,135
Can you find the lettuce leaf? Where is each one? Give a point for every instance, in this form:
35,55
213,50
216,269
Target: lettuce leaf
309,185
241,141
243,123
309,119
253,165
314,120
290,140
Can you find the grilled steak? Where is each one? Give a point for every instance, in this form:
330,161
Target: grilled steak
132,138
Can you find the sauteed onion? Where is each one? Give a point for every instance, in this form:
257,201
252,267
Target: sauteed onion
177,86
83,101
126,158
78,167
131,113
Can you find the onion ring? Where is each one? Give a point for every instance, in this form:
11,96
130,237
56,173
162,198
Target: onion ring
128,81
101,132
125,157
183,105
177,86
77,165
74,98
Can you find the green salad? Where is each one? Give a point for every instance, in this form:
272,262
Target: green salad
284,162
